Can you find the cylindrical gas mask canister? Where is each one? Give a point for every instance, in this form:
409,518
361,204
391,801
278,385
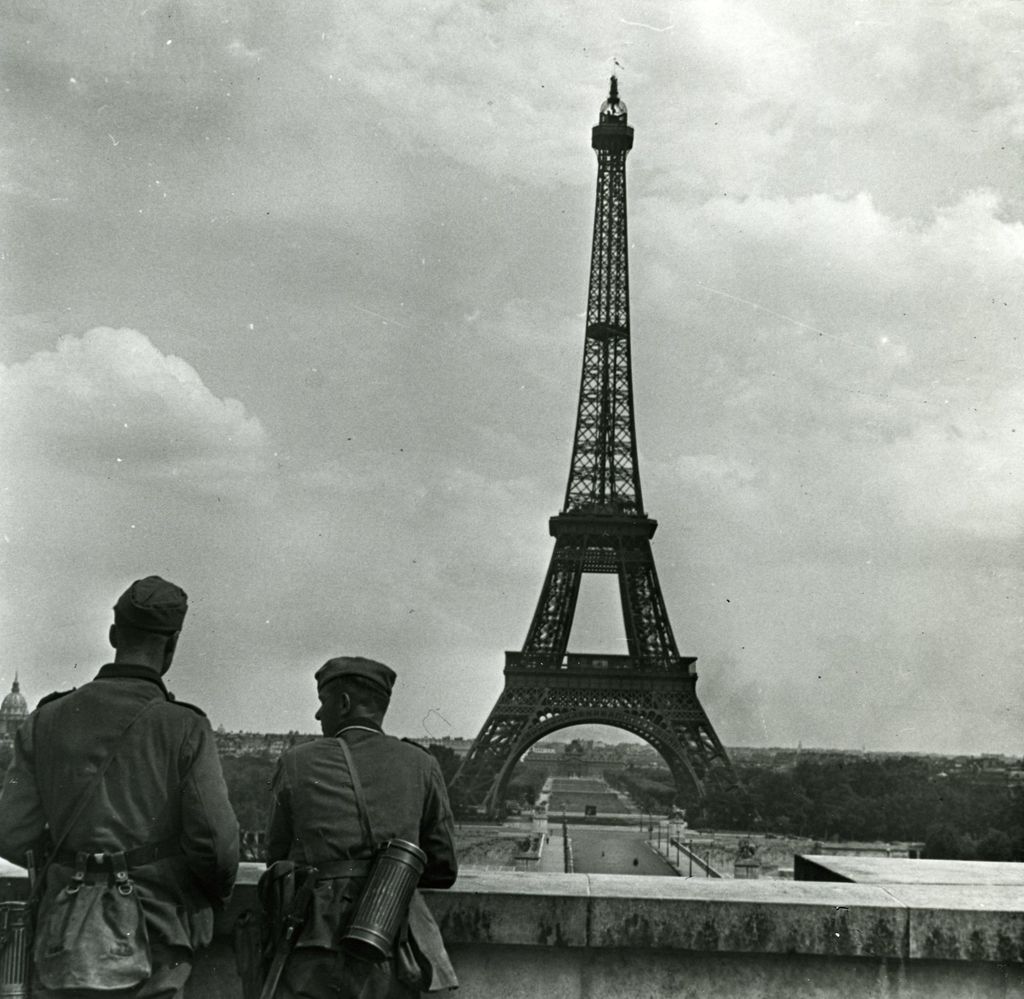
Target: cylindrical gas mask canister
384,901
15,964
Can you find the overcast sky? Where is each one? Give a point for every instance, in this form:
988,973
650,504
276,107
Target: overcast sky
293,315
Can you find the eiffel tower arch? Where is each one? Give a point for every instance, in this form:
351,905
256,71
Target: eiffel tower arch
658,708
601,528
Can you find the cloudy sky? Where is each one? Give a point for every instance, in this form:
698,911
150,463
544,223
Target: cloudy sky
293,315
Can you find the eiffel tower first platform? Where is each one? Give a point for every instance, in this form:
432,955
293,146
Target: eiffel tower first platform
602,528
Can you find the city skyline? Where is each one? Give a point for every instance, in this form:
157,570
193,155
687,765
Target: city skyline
293,316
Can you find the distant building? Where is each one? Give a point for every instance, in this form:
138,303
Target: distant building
268,745
581,758
460,747
13,710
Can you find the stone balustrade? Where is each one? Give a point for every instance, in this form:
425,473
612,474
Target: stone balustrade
565,936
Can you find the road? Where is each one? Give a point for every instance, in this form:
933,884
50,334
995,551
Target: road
614,850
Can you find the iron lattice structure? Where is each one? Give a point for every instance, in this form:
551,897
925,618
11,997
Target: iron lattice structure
602,528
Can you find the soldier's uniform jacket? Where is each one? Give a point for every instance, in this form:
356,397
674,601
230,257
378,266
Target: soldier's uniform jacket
314,818
165,783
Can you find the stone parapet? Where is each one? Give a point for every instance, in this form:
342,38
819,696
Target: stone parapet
578,935
906,871
951,922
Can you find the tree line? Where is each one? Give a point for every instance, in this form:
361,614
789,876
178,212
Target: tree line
957,816
891,799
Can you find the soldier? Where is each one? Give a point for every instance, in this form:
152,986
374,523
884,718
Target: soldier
158,813
314,820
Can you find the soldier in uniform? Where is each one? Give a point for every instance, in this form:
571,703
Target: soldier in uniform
314,820
162,800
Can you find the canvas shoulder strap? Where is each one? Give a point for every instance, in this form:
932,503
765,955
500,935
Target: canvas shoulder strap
357,787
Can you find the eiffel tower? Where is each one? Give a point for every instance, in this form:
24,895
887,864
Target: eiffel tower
602,528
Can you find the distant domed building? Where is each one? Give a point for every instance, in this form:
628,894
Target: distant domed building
13,710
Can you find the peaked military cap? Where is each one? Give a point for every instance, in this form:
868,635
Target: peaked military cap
152,604
355,667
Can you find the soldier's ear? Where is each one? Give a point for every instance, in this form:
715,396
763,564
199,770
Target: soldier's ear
169,650
112,637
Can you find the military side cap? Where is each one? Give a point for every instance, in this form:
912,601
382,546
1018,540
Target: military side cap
365,671
152,604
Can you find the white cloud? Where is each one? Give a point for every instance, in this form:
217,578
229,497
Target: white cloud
142,40
821,275
119,462
864,367
962,473
109,402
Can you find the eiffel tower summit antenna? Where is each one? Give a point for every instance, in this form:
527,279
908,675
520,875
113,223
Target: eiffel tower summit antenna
602,528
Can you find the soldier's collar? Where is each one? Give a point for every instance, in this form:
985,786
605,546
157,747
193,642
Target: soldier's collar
367,726
126,671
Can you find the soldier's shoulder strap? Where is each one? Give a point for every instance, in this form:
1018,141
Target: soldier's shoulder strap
184,704
418,745
57,694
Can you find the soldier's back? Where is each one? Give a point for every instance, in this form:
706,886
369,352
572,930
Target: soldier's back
137,801
397,779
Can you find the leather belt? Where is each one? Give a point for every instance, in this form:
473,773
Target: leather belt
328,869
136,857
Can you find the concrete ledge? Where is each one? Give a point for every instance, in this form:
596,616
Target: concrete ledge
575,935
954,922
764,917
964,922
903,871
514,908
956,910
620,973
951,922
